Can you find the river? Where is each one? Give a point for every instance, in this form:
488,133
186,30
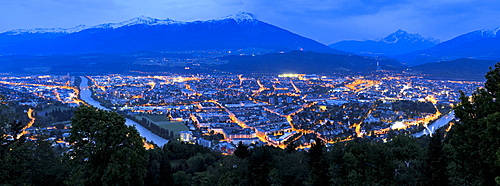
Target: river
85,95
437,124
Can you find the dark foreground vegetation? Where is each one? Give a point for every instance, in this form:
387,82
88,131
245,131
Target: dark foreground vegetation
107,152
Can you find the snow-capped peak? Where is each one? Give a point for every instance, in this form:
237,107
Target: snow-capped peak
485,33
239,17
47,30
139,21
401,35
133,21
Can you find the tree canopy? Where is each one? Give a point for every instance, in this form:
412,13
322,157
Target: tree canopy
104,150
473,145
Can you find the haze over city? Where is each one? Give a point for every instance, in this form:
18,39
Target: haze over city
324,21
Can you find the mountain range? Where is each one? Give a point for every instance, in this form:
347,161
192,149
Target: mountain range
413,49
238,31
242,42
399,42
479,44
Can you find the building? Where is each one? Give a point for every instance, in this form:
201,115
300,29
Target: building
186,136
204,142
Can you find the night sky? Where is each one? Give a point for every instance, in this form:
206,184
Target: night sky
326,21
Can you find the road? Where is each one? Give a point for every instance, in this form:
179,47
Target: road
32,121
85,95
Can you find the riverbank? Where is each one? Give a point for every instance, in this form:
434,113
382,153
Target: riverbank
85,95
437,124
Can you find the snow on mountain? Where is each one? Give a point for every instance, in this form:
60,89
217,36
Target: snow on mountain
237,31
397,43
480,44
139,21
133,21
239,17
485,33
47,30
403,36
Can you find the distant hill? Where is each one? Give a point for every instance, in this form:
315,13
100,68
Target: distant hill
88,64
140,62
460,69
479,44
234,32
307,62
399,42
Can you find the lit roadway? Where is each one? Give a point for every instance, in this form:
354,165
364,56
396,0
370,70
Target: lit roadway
237,121
357,126
290,121
295,87
302,131
30,115
262,88
231,115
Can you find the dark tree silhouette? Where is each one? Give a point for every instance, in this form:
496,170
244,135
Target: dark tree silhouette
105,150
473,145
319,168
241,151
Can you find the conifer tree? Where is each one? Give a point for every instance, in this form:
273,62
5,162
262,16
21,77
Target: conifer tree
473,145
319,168
241,151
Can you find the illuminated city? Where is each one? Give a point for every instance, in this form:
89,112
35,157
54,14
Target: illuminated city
263,110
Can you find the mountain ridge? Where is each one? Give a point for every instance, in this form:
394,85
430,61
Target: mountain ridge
239,17
399,42
236,31
407,37
479,44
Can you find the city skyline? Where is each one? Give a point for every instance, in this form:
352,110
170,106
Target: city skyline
325,22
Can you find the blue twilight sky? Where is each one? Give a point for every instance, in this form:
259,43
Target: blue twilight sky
326,21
